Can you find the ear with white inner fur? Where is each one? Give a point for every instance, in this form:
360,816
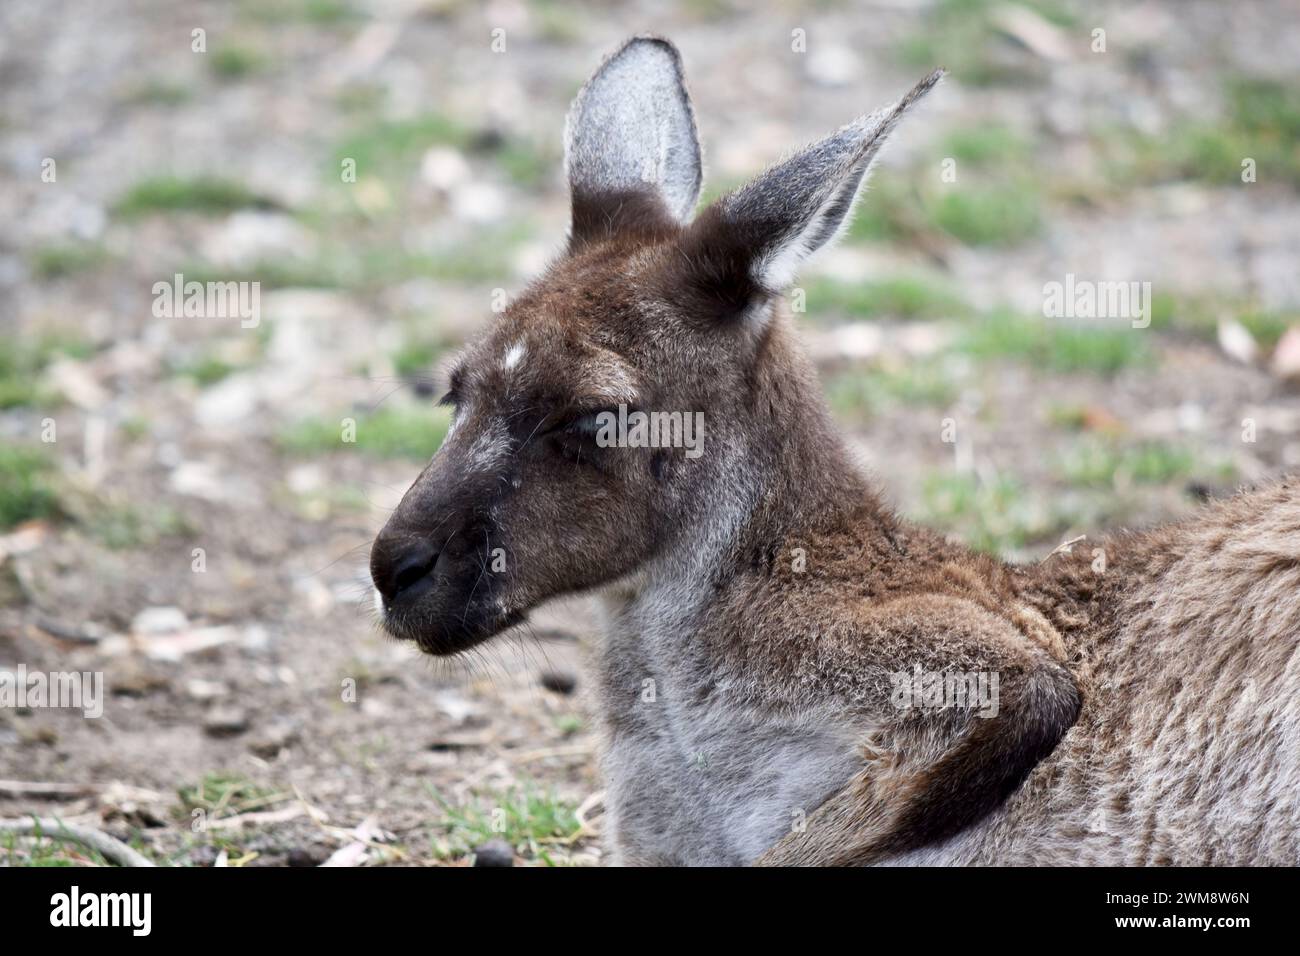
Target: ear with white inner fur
802,204
630,138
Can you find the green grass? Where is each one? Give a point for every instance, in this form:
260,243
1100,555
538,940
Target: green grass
1050,344
568,724
361,98
983,146
65,259
557,22
22,363
158,92
135,428
46,851
900,297
207,369
224,793
1261,120
863,393
208,195
413,432
488,257
963,36
993,214
523,816
524,163
122,526
371,263
320,272
382,146
1094,462
995,206
233,62
1266,327
27,485
324,13
998,517
1199,316
416,357
1178,312
890,209
19,384
391,149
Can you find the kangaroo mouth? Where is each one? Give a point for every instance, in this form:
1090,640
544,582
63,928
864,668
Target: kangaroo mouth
446,631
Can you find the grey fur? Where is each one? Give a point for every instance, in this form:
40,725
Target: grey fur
632,127
803,203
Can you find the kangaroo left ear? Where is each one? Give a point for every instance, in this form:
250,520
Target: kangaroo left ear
754,239
631,149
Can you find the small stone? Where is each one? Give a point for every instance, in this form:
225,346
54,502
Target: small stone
196,479
444,168
561,682
282,733
454,705
1237,342
172,648
229,402
205,690
478,203
225,722
203,855
75,382
494,853
305,479
304,856
137,680
159,620
1286,356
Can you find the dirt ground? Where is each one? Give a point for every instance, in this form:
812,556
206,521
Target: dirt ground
197,529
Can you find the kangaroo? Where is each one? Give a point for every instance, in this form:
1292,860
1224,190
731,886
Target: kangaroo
790,673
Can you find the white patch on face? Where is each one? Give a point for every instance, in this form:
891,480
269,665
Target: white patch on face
454,423
490,447
514,355
379,602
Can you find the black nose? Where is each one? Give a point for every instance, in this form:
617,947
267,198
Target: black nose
400,571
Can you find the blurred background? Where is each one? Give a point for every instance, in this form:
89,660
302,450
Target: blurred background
179,509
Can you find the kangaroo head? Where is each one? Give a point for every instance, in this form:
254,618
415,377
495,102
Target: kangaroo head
644,381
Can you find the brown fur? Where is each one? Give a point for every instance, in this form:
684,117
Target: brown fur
1148,708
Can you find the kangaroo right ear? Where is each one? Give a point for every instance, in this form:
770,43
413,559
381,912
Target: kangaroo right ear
630,145
752,241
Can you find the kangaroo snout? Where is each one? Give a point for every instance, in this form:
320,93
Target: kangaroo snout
435,581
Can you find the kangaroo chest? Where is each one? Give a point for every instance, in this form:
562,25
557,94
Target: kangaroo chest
694,778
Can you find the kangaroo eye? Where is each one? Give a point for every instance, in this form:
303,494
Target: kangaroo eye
571,422
573,436
451,400
584,426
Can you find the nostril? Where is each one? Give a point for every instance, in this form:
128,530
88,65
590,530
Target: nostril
413,570
407,569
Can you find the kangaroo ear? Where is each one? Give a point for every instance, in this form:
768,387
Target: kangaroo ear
754,239
630,146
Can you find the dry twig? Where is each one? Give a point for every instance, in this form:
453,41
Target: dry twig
111,848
